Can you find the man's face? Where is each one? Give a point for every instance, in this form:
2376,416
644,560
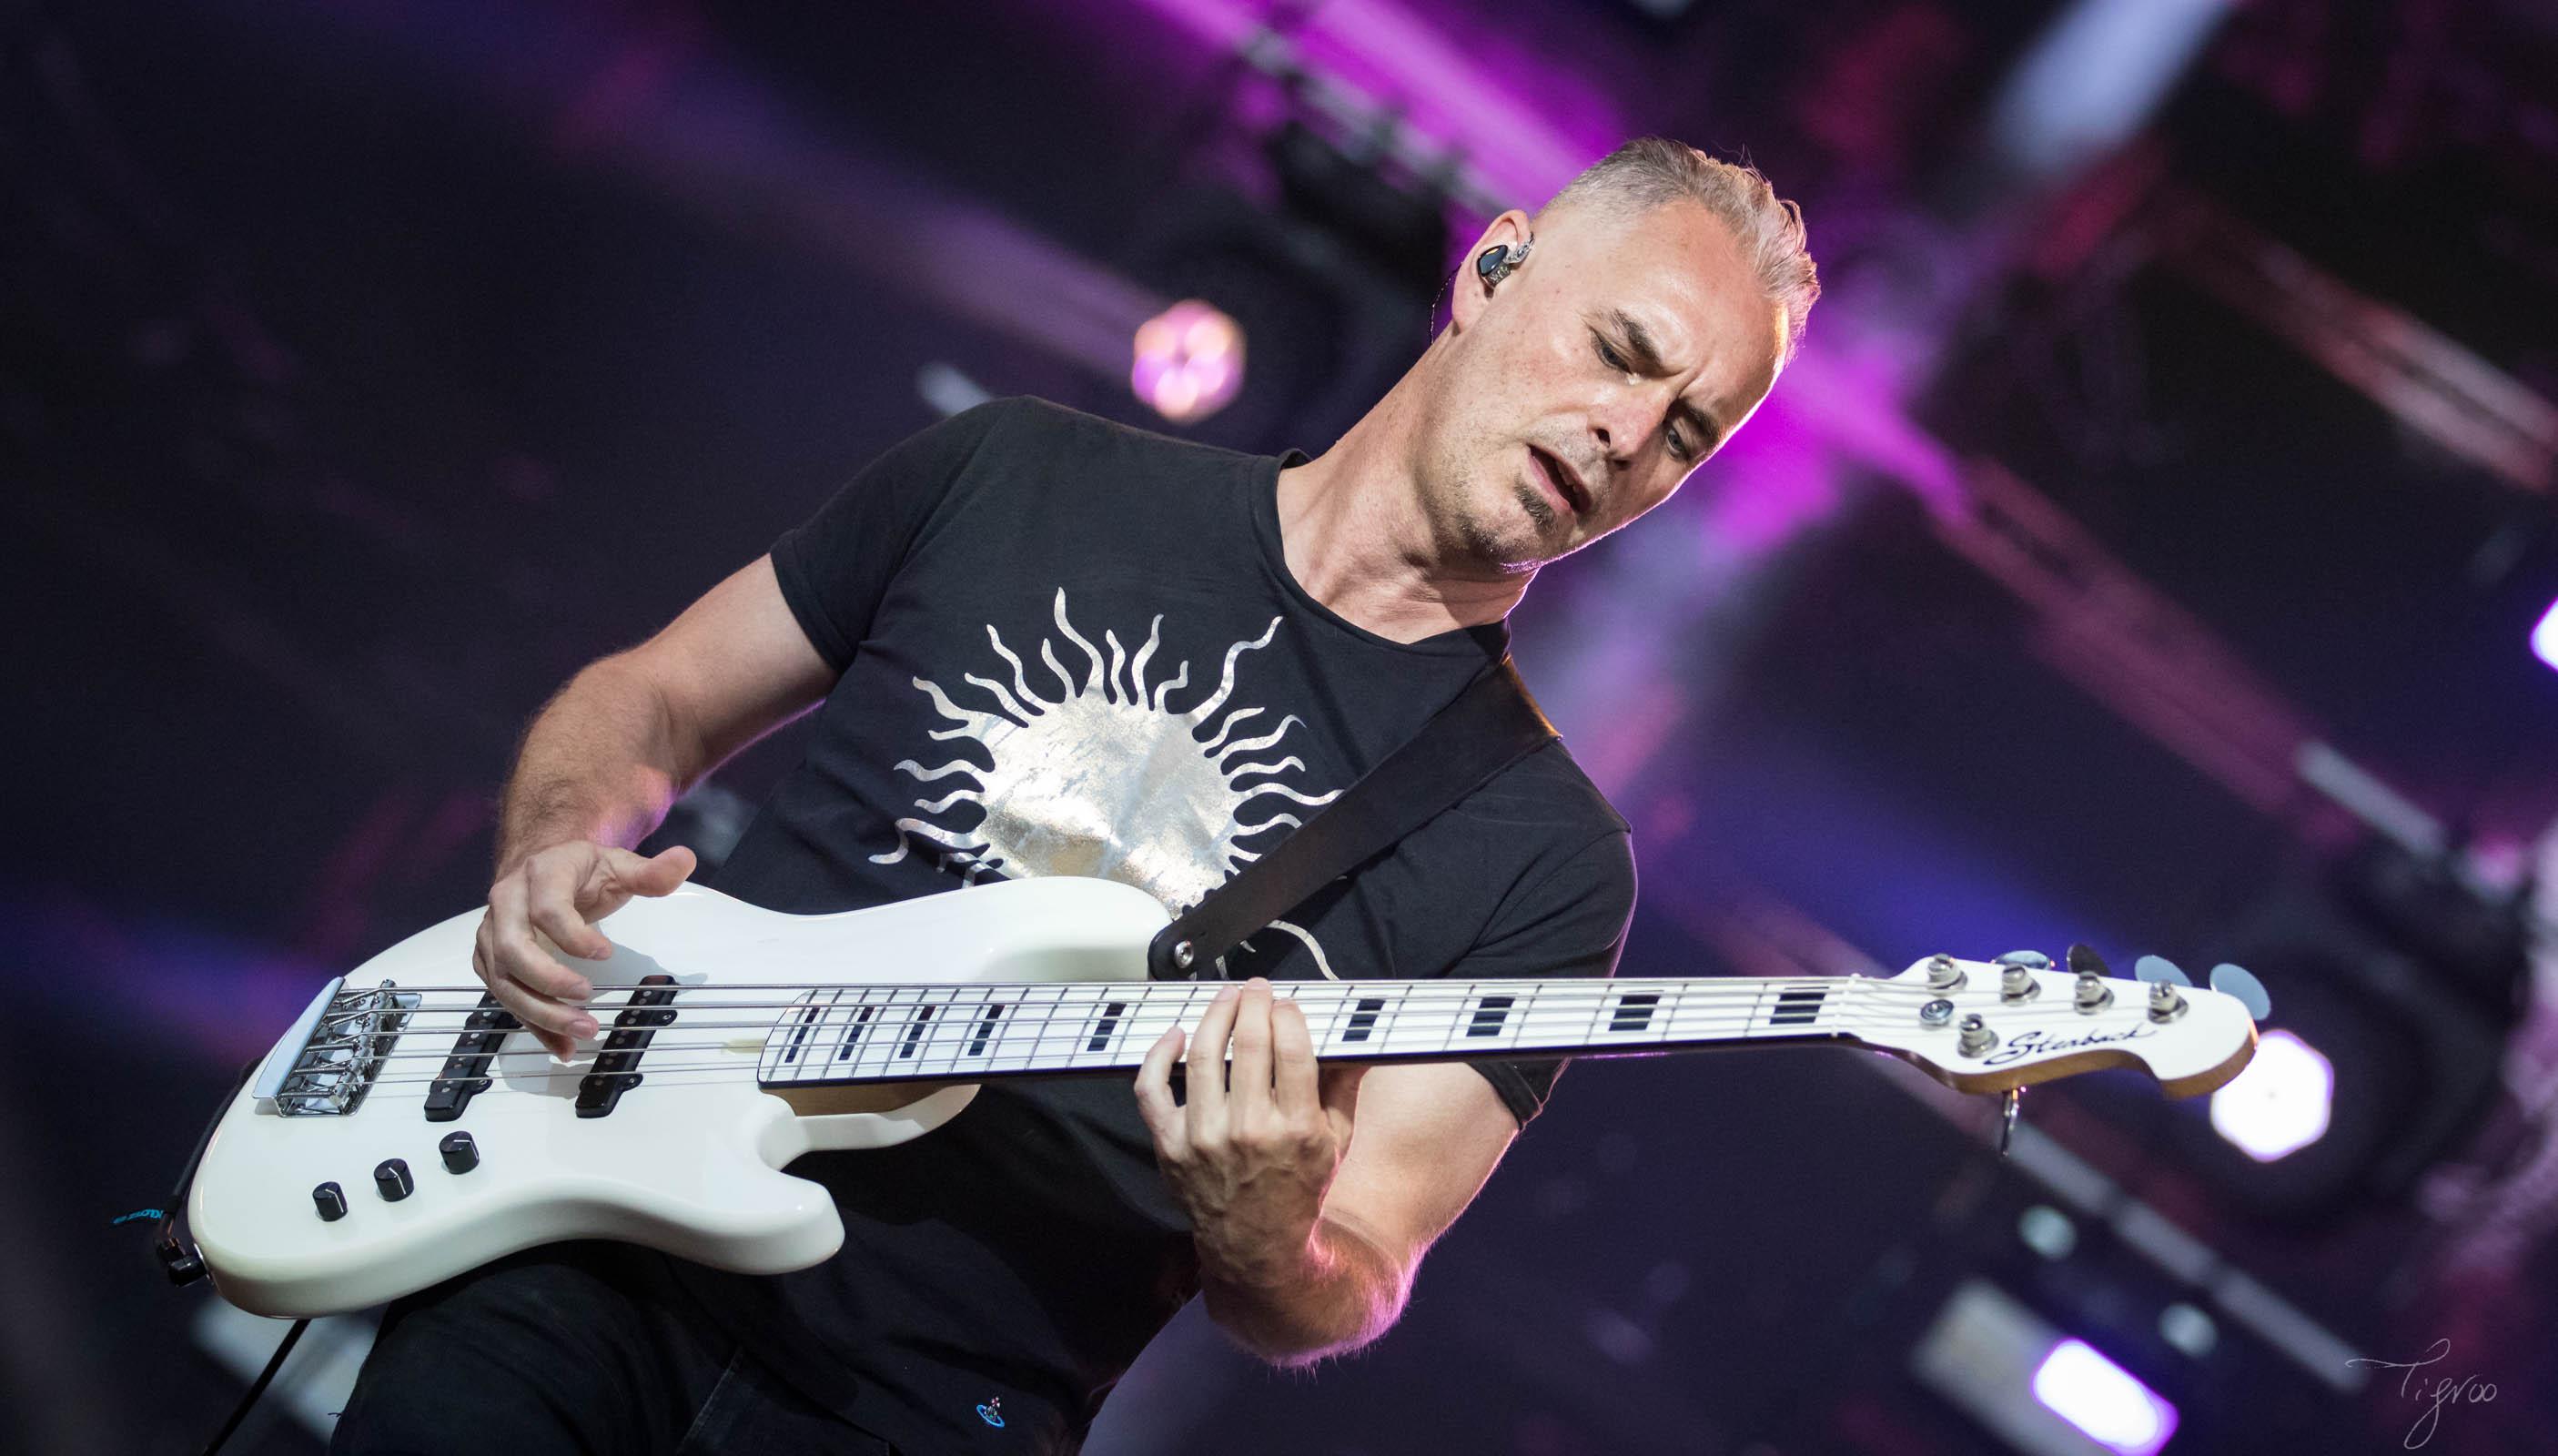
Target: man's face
1581,393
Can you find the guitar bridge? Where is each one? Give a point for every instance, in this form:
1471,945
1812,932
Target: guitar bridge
347,1036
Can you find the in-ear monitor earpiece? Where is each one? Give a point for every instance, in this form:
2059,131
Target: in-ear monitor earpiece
1495,263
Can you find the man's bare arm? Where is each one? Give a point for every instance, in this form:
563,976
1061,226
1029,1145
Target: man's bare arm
598,768
1308,1237
1428,1138
631,731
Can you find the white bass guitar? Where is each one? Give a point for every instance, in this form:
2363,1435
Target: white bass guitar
407,1129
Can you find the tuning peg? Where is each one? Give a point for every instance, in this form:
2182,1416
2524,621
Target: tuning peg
2165,981
2091,994
2158,968
2015,982
2238,982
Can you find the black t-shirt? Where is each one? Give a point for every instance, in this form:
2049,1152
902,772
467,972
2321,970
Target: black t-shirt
1069,647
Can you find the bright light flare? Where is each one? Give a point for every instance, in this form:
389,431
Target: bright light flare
2101,1398
1188,361
2544,638
2280,1104
2095,77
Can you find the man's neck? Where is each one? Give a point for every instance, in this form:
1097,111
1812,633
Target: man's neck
1355,537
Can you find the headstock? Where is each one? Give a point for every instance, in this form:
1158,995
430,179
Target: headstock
1996,1026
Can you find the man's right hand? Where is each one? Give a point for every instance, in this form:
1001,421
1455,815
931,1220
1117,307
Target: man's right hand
561,892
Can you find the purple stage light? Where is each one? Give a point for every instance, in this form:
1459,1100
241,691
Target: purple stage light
2042,1392
2280,1104
1525,126
2544,638
1190,362
2102,1400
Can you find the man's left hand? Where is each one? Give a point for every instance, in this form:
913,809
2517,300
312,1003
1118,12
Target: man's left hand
1254,1146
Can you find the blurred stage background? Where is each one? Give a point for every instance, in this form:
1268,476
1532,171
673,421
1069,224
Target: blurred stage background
2147,550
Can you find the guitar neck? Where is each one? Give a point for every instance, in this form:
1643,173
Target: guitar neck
973,1031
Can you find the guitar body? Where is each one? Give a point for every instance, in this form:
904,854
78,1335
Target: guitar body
687,1161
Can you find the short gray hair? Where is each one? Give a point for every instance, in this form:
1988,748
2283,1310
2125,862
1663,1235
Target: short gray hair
1653,171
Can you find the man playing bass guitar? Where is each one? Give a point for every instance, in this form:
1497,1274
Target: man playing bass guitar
1042,644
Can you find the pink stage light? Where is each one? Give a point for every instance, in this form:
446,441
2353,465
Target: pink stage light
2544,638
2101,1398
1190,362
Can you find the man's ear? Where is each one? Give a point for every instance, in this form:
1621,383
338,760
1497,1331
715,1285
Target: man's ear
1470,296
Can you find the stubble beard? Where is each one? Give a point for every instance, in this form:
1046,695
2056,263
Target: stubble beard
1534,503
1489,540
1469,510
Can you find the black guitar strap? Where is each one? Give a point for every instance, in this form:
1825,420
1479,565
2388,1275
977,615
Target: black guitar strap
1489,726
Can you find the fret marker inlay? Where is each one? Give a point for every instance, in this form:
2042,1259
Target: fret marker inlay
853,1032
1633,1011
1363,1019
1109,1024
985,1028
1799,1007
800,1038
915,1032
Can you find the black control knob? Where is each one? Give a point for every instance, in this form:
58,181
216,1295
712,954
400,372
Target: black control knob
461,1154
330,1200
390,1176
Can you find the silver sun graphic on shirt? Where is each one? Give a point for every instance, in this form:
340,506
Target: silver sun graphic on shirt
1108,778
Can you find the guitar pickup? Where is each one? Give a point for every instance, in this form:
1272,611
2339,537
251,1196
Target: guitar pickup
466,1071
615,1068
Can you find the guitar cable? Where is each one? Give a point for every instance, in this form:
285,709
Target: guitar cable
257,1387
179,1259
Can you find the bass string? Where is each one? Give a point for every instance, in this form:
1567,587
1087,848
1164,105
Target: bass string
741,1070
768,1035
943,1053
1720,985
1092,999
841,1020
1404,994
